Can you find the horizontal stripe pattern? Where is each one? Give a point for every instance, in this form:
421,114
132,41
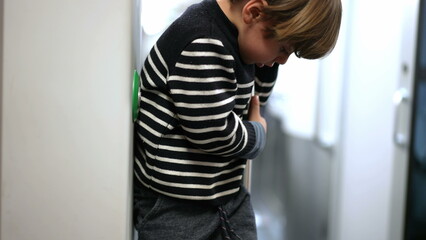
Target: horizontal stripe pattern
189,132
264,82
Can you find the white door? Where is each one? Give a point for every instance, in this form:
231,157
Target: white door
403,99
370,169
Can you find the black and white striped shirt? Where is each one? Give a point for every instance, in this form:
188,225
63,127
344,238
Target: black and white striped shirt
190,137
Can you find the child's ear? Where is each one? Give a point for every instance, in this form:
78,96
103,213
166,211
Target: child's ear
252,11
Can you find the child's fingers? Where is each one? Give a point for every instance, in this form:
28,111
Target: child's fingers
254,111
254,105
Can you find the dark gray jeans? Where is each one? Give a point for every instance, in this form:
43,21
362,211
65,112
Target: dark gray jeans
158,217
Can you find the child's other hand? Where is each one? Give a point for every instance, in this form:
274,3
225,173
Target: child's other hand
254,112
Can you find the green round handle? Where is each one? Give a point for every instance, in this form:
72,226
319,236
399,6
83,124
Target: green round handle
136,85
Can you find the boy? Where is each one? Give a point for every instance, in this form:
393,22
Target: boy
198,121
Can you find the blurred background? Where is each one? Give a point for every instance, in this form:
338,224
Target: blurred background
346,152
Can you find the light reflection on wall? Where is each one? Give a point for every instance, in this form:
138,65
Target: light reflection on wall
156,16
294,97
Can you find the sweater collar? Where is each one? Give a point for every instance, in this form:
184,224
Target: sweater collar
223,22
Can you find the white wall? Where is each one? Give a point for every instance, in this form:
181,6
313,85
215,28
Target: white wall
66,120
364,162
294,97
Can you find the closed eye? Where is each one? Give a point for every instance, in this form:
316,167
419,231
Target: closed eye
284,50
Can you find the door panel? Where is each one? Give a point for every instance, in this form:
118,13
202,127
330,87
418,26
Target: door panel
415,225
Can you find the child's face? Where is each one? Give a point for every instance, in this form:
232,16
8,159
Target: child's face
257,48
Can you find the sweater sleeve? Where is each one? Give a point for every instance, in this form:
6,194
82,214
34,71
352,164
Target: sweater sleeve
265,81
260,141
203,88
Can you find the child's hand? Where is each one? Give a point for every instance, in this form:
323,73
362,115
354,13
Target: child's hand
254,112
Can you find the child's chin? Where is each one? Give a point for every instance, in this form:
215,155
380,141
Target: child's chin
260,65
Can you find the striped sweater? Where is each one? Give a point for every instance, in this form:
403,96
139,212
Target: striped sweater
190,137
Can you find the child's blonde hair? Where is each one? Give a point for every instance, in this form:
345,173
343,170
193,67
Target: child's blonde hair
311,26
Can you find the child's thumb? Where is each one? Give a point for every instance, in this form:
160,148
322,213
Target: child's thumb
255,104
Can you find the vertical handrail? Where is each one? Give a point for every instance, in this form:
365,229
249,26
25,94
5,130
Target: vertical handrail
247,175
